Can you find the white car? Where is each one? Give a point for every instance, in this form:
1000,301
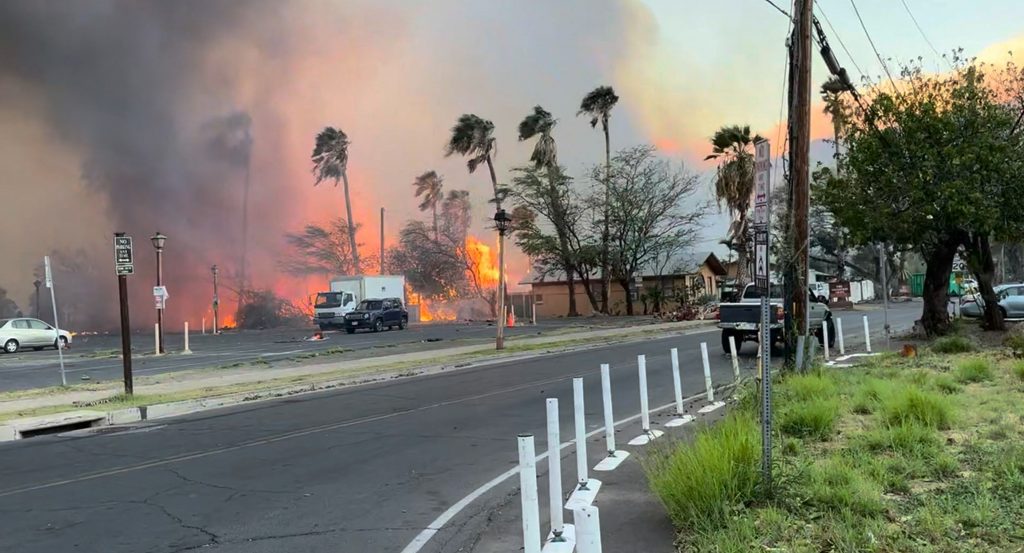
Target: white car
23,332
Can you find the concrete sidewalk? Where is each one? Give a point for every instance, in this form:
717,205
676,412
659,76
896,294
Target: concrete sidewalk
219,387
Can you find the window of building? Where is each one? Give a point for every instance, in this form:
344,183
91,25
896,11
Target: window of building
538,298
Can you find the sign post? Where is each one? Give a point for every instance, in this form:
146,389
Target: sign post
56,323
124,266
762,240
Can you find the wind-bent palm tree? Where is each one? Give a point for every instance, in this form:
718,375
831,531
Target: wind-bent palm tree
429,186
330,161
598,104
545,156
473,136
734,185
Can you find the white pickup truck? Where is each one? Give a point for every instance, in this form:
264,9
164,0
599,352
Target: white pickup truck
741,319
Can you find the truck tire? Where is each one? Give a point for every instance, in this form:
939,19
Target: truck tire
402,323
725,341
350,330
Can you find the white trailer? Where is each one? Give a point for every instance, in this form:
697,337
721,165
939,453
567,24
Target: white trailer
347,291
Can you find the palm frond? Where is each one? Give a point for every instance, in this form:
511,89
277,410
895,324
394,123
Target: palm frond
330,155
598,104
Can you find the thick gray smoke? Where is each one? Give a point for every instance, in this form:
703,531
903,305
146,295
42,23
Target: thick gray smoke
126,83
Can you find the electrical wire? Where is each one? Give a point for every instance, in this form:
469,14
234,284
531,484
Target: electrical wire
872,42
840,39
923,35
780,10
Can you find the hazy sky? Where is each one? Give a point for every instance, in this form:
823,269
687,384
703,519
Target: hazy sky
132,84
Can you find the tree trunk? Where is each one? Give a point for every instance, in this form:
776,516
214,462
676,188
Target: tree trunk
588,289
741,266
629,297
606,275
570,279
494,182
356,265
982,264
938,266
436,236
243,279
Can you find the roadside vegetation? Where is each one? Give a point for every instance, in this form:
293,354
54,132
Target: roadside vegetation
899,455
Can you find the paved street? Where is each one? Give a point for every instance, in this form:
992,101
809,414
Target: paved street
353,470
97,357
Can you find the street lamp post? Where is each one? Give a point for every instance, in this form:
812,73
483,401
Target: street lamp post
501,222
158,242
37,283
216,298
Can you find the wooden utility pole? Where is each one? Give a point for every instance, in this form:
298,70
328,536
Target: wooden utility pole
799,151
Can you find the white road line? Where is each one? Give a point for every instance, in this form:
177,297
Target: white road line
444,518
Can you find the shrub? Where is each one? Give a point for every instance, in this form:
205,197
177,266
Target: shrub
910,404
953,344
973,370
1015,339
701,483
810,419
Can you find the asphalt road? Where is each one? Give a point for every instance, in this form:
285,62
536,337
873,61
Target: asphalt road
354,470
97,358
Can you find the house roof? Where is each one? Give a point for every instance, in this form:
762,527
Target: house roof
691,267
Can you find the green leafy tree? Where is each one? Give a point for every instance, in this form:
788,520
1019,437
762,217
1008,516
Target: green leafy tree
330,161
429,185
734,186
933,165
597,105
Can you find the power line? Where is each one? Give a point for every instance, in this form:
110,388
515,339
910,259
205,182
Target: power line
780,10
923,35
839,38
872,42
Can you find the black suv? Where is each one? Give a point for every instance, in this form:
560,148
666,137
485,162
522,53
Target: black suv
377,314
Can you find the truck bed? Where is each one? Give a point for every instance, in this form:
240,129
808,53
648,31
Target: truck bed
743,314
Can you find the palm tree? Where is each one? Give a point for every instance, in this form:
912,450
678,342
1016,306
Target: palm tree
545,156
734,185
598,104
830,93
473,136
429,186
330,161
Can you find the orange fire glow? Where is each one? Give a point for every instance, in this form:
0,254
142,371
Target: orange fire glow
227,321
429,312
485,263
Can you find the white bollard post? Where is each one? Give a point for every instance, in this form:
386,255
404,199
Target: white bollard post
677,383
204,326
554,470
839,336
156,339
609,417
588,529
581,433
528,494
867,335
824,336
533,318
645,415
735,359
707,371
956,308
186,339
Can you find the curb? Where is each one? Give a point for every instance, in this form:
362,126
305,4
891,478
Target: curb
11,429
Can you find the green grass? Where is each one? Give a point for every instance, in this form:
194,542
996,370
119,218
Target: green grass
977,369
702,483
946,384
911,404
953,344
810,419
834,485
1018,370
803,387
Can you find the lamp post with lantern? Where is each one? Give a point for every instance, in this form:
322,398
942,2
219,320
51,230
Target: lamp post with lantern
158,243
502,222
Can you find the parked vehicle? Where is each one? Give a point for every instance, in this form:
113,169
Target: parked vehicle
346,292
1011,302
376,315
740,320
24,332
819,291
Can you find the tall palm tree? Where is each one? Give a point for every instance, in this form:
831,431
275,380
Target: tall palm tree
598,104
830,93
545,156
473,136
734,185
330,161
429,186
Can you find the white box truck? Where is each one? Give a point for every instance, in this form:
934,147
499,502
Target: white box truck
347,291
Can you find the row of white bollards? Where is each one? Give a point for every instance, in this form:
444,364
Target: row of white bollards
156,338
584,535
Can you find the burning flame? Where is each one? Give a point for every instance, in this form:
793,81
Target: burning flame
429,312
227,321
485,265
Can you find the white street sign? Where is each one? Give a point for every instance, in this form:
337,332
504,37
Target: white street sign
49,273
